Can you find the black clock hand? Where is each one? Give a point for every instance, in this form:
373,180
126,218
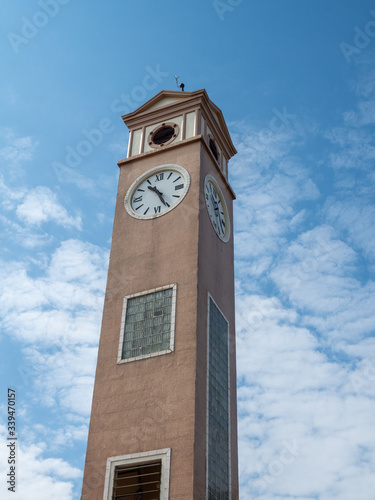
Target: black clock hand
155,190
215,205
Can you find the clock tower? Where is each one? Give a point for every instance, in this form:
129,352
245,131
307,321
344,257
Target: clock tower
164,419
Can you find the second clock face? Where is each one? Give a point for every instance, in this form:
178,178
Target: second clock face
217,208
157,191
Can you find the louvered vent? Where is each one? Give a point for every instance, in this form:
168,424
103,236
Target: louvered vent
137,482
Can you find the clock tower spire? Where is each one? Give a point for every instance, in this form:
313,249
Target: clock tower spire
164,420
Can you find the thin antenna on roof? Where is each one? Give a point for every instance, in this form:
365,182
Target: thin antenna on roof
181,86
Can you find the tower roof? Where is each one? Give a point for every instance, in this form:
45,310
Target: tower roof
161,105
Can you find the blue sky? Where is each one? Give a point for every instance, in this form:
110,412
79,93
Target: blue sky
296,83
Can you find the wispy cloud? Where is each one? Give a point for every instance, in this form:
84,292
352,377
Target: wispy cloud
53,308
41,205
305,311
16,149
355,218
299,415
353,140
42,478
272,186
64,377
27,211
14,231
64,304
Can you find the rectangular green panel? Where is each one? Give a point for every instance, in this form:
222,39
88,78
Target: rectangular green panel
147,324
218,406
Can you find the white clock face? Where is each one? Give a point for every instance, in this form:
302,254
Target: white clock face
157,191
217,208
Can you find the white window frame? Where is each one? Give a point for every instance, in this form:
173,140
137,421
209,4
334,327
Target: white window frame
163,455
209,296
120,360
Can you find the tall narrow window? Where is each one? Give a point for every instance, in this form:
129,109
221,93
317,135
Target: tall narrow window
213,149
218,447
147,327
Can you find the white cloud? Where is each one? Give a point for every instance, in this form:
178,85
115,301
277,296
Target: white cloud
41,205
57,317
65,303
356,218
38,478
306,314
23,236
260,147
57,439
304,430
355,148
317,273
17,149
269,201
353,140
64,377
10,197
32,208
